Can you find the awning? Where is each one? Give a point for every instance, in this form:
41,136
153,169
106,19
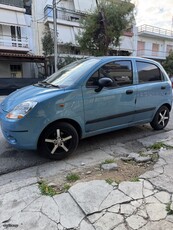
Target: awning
21,57
9,17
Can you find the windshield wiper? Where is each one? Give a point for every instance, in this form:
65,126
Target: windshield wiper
47,83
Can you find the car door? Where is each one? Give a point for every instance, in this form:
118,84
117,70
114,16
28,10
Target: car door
113,106
151,90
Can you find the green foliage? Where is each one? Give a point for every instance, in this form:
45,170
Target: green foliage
168,64
47,43
103,27
109,181
159,145
46,189
66,187
154,157
108,161
72,177
135,179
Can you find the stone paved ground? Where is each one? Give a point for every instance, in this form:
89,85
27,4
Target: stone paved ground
95,205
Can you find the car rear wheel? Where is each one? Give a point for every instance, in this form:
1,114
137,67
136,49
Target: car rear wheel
161,118
58,141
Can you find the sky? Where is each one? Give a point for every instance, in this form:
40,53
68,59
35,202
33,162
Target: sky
157,13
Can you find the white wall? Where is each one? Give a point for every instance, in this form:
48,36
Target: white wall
37,24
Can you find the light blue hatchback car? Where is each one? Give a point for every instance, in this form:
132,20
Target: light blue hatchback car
86,98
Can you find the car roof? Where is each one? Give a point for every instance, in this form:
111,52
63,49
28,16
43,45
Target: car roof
107,58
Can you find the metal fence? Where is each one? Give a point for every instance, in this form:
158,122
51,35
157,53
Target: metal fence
156,30
8,41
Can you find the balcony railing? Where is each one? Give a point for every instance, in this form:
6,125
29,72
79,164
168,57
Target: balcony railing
7,42
17,3
151,53
64,14
155,30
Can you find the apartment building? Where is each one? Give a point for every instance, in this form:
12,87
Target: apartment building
22,27
154,42
16,46
144,41
68,14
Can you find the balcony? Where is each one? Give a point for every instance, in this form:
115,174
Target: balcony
7,43
63,14
152,31
16,3
159,55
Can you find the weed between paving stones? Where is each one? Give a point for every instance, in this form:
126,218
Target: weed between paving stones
159,145
46,189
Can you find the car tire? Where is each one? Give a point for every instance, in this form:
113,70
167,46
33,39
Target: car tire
161,118
58,141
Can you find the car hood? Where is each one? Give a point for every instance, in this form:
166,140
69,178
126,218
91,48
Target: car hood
29,93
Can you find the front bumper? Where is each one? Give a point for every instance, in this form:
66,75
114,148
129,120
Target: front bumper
19,133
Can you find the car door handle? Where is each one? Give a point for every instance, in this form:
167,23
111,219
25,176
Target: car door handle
129,91
163,87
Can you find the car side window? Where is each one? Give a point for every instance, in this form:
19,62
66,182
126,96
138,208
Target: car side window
93,80
148,72
119,71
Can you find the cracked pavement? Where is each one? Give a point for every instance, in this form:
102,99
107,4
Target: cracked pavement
93,205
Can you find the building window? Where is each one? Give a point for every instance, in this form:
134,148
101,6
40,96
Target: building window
16,71
27,6
16,35
148,73
74,19
141,48
155,49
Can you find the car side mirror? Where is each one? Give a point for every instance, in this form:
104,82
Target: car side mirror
103,82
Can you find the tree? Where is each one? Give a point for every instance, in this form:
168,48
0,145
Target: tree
168,63
47,42
103,28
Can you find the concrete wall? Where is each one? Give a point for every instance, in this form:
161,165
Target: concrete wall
38,24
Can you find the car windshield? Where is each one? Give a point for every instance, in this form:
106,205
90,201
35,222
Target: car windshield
69,74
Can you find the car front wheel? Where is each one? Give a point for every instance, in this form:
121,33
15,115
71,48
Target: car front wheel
161,118
58,141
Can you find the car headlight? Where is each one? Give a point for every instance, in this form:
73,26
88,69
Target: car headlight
21,110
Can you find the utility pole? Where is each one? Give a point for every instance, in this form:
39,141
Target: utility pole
55,33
